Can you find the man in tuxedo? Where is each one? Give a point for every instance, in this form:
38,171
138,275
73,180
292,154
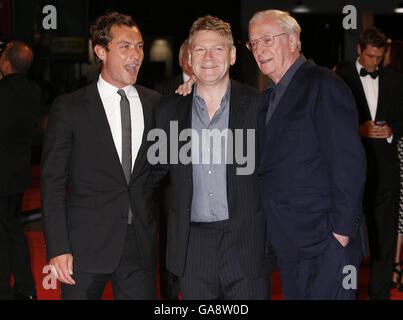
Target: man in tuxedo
20,100
216,232
168,87
169,283
312,164
379,98
96,141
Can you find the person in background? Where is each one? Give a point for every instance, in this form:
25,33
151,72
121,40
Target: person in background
379,97
168,87
311,164
20,99
95,142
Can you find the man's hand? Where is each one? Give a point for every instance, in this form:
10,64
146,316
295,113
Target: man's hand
386,131
186,88
370,130
64,268
342,239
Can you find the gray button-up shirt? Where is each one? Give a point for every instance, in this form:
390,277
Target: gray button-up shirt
209,201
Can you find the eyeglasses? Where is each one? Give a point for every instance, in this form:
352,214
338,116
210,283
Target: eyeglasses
267,41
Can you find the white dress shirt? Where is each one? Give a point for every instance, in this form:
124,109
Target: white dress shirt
371,90
185,77
111,102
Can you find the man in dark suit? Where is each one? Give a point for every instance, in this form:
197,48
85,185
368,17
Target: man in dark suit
168,87
216,231
312,165
169,283
96,141
379,98
20,99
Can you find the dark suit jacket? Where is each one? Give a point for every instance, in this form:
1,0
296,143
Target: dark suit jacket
245,212
168,87
20,100
312,164
383,163
79,148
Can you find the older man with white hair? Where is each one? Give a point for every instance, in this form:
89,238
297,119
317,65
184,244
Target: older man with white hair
312,164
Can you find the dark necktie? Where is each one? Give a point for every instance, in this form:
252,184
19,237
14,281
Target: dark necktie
271,107
364,72
126,140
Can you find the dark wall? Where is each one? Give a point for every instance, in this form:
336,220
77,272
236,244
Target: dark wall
169,19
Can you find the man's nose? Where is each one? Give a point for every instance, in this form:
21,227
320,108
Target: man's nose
209,54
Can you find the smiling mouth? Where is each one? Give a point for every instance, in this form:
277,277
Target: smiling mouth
131,68
265,61
209,67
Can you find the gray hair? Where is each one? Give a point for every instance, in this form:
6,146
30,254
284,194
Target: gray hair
284,20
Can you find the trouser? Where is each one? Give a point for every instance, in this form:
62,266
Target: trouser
130,281
169,283
212,269
381,212
332,275
14,250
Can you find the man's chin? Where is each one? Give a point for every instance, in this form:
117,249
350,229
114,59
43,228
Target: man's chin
131,81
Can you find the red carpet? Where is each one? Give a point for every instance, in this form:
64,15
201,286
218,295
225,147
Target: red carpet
38,259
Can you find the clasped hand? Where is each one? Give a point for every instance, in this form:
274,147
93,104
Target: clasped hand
370,130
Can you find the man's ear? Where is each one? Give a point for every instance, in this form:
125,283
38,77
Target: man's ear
100,51
359,49
293,38
6,68
233,55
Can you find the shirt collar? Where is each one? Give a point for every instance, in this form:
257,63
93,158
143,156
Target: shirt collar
224,99
107,90
185,77
286,79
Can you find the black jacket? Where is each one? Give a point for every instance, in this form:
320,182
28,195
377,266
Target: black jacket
245,212
79,149
19,102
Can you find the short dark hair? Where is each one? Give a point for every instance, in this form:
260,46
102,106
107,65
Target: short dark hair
100,31
20,56
373,37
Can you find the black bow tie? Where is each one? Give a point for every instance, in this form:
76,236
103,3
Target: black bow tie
364,72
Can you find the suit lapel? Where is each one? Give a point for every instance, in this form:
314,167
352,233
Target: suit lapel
380,109
101,125
147,107
237,108
184,116
288,101
237,112
358,89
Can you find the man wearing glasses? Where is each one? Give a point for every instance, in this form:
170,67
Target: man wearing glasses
312,164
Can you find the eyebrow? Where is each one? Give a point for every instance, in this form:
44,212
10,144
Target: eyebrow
123,42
